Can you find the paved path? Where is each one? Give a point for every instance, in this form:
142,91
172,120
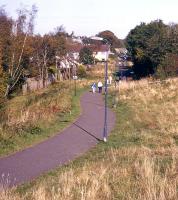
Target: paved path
75,140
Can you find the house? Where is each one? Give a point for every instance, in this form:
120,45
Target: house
101,52
74,50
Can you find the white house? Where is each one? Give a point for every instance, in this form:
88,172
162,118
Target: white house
101,52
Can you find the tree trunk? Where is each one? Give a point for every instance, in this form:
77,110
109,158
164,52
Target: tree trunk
7,90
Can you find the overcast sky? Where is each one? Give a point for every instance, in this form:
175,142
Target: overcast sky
88,17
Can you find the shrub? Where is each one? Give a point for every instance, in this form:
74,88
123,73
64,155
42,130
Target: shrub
81,71
86,56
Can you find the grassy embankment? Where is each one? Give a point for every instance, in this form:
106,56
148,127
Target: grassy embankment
29,119
138,162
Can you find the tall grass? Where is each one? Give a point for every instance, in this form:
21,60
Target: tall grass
137,176
36,106
28,119
155,105
139,162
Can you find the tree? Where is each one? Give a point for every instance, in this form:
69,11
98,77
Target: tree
86,56
3,80
168,67
22,28
60,36
45,50
148,45
5,32
112,39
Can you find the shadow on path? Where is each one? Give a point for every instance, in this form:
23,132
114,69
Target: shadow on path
67,145
92,135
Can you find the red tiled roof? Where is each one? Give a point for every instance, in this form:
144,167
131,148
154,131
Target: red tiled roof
99,48
93,48
75,47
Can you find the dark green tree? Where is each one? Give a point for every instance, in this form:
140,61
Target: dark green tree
86,56
148,45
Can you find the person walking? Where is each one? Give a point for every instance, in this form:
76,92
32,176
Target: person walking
93,87
100,85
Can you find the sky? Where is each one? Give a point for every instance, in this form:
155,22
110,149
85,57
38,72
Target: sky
89,17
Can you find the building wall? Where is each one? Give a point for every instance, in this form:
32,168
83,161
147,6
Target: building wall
101,56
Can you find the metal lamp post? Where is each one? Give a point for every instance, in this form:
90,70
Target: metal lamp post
106,94
75,79
75,89
105,106
106,89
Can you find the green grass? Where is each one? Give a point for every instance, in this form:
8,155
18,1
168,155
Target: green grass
120,137
134,142
139,161
34,133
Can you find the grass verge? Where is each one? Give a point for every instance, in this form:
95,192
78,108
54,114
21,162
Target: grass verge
38,116
138,162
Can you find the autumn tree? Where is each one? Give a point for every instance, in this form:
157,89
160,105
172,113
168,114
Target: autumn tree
60,39
112,39
22,28
3,79
5,33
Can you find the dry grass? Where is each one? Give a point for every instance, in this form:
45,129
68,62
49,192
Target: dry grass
26,120
98,70
155,105
138,177
39,106
125,169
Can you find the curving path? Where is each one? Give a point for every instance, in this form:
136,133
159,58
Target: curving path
75,140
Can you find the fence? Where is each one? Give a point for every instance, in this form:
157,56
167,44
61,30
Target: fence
33,84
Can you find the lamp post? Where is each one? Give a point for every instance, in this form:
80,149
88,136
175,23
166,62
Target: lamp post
75,79
75,84
105,106
106,94
106,88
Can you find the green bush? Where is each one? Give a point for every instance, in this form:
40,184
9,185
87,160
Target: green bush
81,71
86,56
52,69
35,130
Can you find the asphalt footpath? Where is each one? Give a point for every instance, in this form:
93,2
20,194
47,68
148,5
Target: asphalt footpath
64,147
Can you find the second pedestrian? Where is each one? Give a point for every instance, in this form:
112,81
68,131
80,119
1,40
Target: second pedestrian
100,85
